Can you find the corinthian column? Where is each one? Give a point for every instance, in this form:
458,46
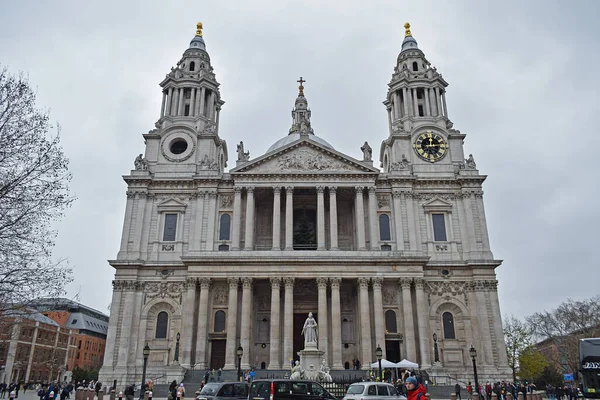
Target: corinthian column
409,325
422,318
246,320
188,323
322,310
249,239
289,218
336,323
373,231
237,218
202,335
333,225
274,362
378,314
320,218
276,218
360,219
288,335
230,354
365,321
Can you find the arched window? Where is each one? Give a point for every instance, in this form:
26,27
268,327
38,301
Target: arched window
415,66
220,321
192,66
384,227
448,321
224,227
263,365
346,365
162,323
390,322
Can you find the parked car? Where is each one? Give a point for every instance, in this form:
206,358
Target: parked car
372,391
224,391
285,389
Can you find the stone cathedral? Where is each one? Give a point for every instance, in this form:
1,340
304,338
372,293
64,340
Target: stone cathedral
395,256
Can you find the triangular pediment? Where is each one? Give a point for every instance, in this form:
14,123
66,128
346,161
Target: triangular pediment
437,204
304,157
171,205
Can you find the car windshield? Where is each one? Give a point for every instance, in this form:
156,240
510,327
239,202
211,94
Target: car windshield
210,389
355,389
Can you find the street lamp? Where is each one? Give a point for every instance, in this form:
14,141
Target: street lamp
379,354
473,354
240,353
146,354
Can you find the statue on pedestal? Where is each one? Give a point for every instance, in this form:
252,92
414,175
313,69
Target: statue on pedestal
309,331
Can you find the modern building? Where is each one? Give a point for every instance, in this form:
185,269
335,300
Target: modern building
396,256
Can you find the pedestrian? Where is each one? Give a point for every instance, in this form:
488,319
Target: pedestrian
219,375
457,390
416,391
180,392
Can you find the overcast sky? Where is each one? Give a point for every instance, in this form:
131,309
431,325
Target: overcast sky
523,81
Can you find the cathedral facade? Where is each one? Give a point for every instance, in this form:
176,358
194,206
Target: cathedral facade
396,257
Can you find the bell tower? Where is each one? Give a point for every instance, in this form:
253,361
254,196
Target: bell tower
186,139
421,140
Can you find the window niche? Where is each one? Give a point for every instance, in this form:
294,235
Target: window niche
171,217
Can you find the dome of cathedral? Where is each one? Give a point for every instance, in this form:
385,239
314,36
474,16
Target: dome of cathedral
292,137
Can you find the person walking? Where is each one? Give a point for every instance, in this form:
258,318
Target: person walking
457,390
416,391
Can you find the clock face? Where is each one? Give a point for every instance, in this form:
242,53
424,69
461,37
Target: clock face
430,146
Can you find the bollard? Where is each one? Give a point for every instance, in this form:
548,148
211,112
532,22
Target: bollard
112,394
452,396
494,396
509,396
79,393
146,395
520,396
91,394
475,396
101,394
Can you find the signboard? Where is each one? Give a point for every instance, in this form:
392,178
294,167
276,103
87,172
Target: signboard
568,377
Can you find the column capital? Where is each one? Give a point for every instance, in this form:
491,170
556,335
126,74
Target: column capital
289,190
405,282
204,283
420,283
372,190
359,189
332,189
191,283
289,282
237,189
276,189
246,282
275,282
250,189
397,194
322,282
363,283
336,282
320,189
377,282
233,282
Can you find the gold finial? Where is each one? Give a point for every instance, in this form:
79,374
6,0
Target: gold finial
407,30
199,29
301,88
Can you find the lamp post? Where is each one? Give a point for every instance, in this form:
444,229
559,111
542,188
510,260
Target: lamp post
379,353
146,354
473,354
240,353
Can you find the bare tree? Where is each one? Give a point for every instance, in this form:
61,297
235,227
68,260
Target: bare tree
517,336
562,328
34,193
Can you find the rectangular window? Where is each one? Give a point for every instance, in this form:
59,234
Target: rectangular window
170,226
439,227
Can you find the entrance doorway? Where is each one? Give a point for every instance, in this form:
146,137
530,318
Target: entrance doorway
305,229
217,354
392,350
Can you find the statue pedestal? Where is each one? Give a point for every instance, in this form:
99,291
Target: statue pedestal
310,360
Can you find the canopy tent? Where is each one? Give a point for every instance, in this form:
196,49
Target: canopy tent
406,364
384,364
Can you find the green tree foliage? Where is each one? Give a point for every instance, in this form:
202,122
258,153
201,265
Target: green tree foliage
34,193
517,337
80,374
551,376
531,364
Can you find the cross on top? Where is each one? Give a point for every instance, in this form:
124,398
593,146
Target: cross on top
301,88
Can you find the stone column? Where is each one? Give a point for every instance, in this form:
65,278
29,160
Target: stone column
115,307
422,319
189,309
320,218
237,218
405,101
365,322
211,105
196,240
444,104
202,99
360,219
276,218
438,102
493,293
415,102
218,113
322,323
202,333
169,100
397,210
288,333
249,242
126,224
389,111
289,218
412,221
129,299
246,320
409,326
483,316
426,102
432,101
378,319
397,105
336,323
162,104
373,223
333,225
174,102
181,100
212,217
274,362
232,306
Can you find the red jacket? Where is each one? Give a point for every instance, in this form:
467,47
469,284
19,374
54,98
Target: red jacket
414,394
